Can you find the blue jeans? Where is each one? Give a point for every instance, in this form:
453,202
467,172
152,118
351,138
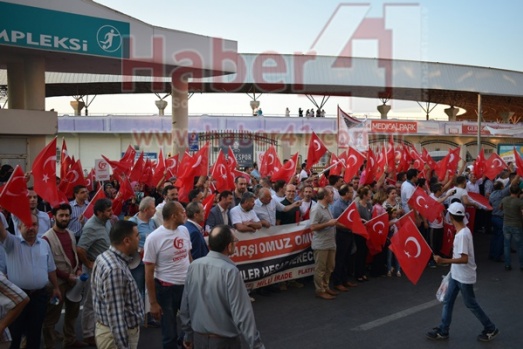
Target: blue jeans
170,299
515,233
391,259
496,241
467,292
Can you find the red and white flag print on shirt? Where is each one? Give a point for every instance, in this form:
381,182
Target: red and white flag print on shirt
351,219
425,205
411,250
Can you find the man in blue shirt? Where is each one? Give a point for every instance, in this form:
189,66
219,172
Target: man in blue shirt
30,266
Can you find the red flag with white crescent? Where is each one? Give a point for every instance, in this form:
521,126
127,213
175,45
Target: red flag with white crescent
351,219
411,250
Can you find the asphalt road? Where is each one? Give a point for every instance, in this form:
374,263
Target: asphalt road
388,313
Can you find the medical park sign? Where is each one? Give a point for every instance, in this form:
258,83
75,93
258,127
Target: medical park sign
34,27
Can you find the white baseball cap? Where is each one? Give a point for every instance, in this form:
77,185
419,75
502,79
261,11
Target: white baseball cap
457,209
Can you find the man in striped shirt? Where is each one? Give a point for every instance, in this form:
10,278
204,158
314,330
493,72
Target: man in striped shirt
117,302
12,302
78,206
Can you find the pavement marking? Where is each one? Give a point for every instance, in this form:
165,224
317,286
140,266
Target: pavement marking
396,316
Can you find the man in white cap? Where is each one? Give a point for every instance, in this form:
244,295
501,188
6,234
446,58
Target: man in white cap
463,278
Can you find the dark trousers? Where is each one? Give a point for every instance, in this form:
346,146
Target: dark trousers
344,241
436,239
170,299
203,341
497,239
30,321
361,256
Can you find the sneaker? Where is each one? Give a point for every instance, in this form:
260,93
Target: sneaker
432,264
389,273
436,334
398,273
487,336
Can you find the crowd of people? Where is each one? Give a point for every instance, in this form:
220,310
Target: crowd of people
184,253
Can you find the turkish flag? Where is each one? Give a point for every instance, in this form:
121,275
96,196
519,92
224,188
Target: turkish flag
100,194
377,229
287,171
44,175
316,150
117,166
125,193
323,181
138,168
370,169
405,218
351,219
208,203
127,159
411,250
337,165
65,160
470,214
74,177
425,205
90,181
480,199
270,162
406,158
428,159
519,163
354,161
448,164
14,196
381,163
494,165
479,164
171,166
449,231
159,170
201,164
224,180
147,174
391,156
417,161
191,167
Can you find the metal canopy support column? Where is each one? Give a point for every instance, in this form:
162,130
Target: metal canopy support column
427,109
254,103
323,101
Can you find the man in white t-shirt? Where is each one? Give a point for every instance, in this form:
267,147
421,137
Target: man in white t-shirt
460,193
243,217
462,278
167,257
